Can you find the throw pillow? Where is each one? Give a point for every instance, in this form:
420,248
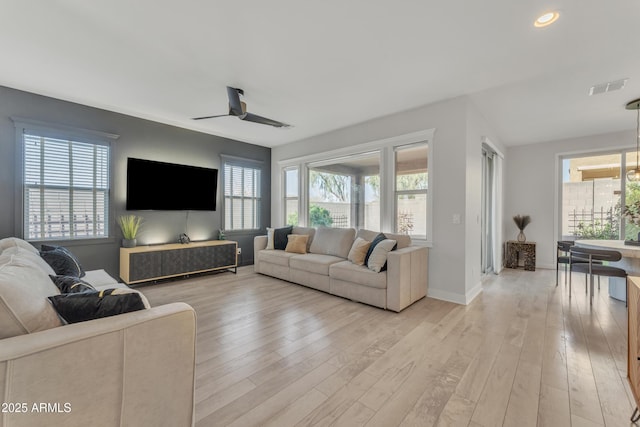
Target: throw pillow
270,238
378,259
297,243
71,285
358,251
280,237
63,262
379,238
73,308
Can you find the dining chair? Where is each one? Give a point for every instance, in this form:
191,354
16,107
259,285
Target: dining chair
591,262
562,257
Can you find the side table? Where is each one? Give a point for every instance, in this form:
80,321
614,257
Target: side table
528,251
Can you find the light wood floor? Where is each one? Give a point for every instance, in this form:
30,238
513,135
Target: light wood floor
271,353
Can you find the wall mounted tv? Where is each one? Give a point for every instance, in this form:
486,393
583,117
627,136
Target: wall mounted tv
163,186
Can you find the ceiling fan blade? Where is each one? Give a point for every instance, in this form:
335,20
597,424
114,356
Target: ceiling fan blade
235,106
249,117
209,117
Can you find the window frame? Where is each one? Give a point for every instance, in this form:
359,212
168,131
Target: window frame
58,131
425,191
243,163
387,177
284,194
560,157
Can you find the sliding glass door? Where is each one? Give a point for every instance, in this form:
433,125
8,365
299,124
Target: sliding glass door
595,192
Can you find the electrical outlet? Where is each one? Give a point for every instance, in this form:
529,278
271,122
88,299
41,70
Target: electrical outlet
239,251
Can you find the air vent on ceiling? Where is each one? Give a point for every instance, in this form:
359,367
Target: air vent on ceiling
607,87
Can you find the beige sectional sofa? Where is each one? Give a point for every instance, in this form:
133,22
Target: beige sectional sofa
325,267
132,369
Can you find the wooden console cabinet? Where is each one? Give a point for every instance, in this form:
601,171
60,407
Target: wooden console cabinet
145,263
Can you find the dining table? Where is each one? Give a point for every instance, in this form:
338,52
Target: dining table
630,262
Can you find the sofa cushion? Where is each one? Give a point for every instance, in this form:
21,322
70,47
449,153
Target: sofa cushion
314,263
24,289
99,279
402,239
378,259
309,231
275,257
280,237
349,272
13,242
34,258
297,243
62,260
333,241
358,251
79,307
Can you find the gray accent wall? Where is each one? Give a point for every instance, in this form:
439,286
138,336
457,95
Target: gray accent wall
138,138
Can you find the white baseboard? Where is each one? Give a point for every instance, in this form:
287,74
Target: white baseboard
454,297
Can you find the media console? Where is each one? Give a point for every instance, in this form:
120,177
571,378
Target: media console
146,263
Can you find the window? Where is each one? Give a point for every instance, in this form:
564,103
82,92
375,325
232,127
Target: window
411,190
291,197
242,199
66,188
379,185
344,192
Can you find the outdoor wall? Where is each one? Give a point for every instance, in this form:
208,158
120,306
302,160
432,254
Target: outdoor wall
586,202
532,186
138,138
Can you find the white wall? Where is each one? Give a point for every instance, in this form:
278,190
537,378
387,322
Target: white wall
532,186
477,128
454,259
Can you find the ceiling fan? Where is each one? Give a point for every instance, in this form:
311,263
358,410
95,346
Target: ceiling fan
238,109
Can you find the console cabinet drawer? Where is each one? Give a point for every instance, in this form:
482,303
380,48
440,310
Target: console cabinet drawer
144,263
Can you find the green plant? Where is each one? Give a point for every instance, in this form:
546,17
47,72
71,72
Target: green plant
319,216
292,218
129,225
597,230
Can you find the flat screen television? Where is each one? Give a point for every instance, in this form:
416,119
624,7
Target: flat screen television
163,186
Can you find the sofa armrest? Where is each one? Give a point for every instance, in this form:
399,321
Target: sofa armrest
259,243
133,369
407,270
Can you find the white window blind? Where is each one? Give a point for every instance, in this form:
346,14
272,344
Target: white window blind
66,188
242,199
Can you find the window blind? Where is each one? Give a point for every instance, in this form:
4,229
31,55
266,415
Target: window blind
66,188
242,200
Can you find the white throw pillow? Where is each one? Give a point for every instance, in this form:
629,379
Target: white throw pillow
270,232
378,259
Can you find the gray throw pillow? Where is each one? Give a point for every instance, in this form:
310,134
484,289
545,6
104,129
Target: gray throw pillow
280,237
73,308
63,262
71,284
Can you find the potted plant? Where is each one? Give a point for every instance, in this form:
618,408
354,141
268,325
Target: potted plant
521,222
632,214
129,225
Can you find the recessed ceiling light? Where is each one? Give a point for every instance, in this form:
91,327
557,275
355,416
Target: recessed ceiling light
546,19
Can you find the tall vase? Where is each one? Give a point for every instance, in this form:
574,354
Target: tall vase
521,237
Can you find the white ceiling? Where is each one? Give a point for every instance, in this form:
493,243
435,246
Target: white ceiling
329,64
